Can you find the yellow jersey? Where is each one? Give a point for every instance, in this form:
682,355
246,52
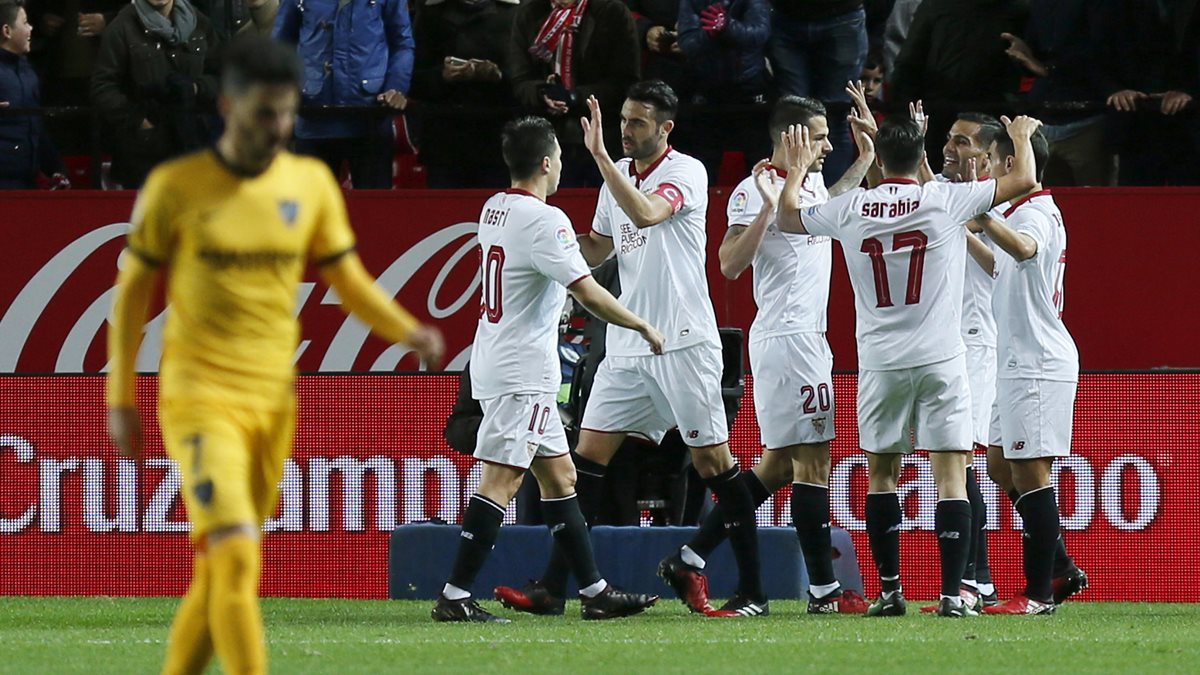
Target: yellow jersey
235,248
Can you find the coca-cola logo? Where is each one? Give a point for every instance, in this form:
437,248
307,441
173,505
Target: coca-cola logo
441,266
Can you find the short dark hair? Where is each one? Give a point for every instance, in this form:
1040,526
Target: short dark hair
900,145
524,142
791,110
254,59
9,9
873,63
1041,150
658,94
989,127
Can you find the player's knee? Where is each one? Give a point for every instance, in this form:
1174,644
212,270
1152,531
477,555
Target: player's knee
811,464
883,472
712,461
774,470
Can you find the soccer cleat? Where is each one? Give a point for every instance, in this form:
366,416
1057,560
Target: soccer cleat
989,600
1069,584
838,602
970,597
740,605
466,609
688,583
533,598
1021,605
888,605
613,603
947,607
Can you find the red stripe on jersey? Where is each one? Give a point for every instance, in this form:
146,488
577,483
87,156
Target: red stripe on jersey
639,177
898,181
1020,202
520,191
578,280
672,194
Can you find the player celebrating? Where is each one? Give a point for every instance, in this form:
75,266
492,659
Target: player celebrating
1038,371
913,379
530,258
651,211
234,226
790,358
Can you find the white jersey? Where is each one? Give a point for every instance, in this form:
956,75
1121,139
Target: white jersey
1033,341
905,247
662,268
978,323
791,271
529,255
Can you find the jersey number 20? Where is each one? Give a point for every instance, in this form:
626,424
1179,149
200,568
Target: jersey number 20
493,269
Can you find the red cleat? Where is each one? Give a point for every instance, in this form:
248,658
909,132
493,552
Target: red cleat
689,584
533,598
1021,605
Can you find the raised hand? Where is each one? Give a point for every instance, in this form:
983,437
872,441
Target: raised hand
916,110
858,94
593,134
799,148
1022,127
863,131
764,180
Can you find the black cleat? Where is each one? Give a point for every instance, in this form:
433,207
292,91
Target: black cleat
1069,584
888,605
948,607
741,605
613,603
466,609
533,598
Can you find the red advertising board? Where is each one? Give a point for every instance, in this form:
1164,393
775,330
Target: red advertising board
369,455
1130,267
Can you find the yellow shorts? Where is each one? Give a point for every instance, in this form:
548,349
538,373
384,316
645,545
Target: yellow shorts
231,459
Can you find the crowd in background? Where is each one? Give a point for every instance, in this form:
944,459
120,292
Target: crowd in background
135,83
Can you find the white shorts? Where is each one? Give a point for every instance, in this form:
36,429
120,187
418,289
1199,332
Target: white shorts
518,427
1035,418
793,389
981,376
929,406
994,437
650,395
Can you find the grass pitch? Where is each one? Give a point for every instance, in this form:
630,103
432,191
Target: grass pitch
126,635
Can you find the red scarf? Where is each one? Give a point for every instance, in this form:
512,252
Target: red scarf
556,40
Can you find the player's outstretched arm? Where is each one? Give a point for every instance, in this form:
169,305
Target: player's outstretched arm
863,130
600,302
800,152
643,210
1017,244
595,248
362,298
135,287
742,241
1023,176
981,253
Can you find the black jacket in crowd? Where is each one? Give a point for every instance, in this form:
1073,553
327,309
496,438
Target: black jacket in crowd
25,148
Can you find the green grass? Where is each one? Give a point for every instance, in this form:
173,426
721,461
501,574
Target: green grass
345,637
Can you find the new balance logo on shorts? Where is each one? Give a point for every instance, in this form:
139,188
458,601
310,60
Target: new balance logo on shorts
1018,445
694,433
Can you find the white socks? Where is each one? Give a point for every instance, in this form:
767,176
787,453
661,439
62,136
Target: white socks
594,590
453,592
691,557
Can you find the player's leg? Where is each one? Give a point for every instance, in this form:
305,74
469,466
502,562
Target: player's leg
1035,418
981,376
685,386
190,645
682,569
214,448
810,515
885,400
599,599
944,428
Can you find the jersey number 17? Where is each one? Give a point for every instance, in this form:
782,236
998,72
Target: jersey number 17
916,266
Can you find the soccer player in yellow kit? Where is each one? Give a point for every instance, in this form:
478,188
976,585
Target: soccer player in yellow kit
234,227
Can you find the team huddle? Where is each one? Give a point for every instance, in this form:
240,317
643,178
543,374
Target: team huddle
958,284
945,364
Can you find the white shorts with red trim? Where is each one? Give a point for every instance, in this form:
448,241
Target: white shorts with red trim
1035,418
516,428
793,389
923,408
650,395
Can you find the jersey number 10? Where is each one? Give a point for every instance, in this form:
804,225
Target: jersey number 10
916,266
492,305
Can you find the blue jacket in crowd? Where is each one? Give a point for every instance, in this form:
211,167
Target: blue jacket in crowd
736,56
25,148
353,50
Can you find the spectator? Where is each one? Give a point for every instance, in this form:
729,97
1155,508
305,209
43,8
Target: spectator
878,12
564,51
724,44
817,46
259,18
461,45
1156,64
872,78
658,35
155,72
1065,48
896,31
953,61
356,53
25,148
65,54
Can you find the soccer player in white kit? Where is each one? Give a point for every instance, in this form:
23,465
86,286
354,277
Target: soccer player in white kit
529,260
905,247
1038,369
789,355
